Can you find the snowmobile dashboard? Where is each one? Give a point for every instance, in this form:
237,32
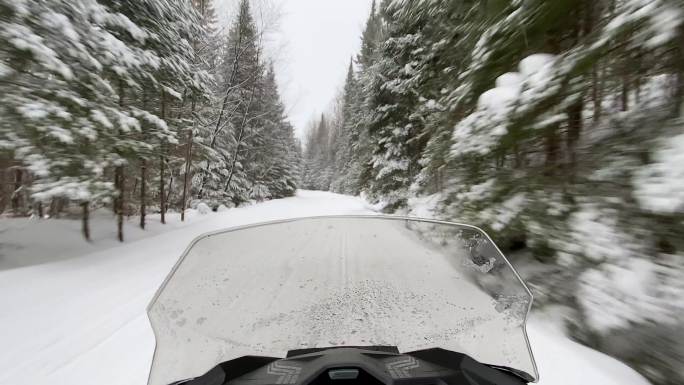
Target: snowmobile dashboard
378,365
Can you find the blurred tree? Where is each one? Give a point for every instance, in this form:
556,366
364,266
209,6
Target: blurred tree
553,125
93,91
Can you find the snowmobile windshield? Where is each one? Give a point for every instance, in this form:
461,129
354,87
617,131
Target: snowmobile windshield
339,281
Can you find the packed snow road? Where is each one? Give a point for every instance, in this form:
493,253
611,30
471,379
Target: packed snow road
82,320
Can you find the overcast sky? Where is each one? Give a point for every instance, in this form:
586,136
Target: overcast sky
312,45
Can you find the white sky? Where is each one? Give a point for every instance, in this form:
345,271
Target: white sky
312,45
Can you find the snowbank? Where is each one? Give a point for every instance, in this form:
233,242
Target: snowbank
222,208
203,208
30,241
564,362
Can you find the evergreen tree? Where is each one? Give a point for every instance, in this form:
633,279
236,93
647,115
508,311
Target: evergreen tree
371,37
536,121
239,75
75,122
280,166
396,130
318,173
360,170
137,105
346,138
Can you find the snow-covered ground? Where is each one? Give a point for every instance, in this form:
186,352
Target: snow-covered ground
29,241
82,320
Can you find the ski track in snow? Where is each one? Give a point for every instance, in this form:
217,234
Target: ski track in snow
82,321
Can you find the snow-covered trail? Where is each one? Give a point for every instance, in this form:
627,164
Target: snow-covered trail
82,321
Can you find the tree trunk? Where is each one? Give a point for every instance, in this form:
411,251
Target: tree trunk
596,94
119,180
3,189
40,210
119,201
552,149
180,109
169,191
574,113
162,196
143,192
131,197
678,58
188,159
593,13
625,91
85,220
517,157
16,195
56,207
637,79
186,177
678,107
143,171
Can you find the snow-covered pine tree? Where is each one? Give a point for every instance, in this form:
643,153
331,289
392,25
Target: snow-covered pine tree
160,103
540,137
449,31
345,136
201,95
239,76
396,130
79,59
554,125
371,38
318,155
360,114
96,66
324,156
278,172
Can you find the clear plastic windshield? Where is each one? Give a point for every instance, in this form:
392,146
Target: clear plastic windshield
336,281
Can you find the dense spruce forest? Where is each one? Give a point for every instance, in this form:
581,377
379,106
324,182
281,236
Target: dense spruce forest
556,126
137,106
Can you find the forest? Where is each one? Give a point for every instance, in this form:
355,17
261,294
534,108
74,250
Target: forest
556,126
139,107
